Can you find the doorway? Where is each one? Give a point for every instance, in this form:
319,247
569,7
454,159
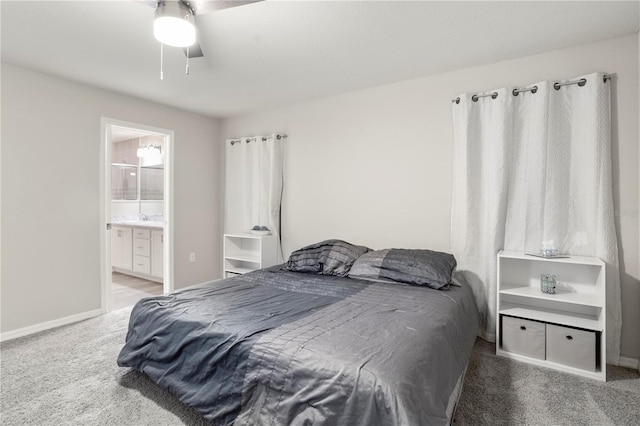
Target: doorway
137,206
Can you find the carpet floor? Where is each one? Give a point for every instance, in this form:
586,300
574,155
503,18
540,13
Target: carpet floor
69,376
500,391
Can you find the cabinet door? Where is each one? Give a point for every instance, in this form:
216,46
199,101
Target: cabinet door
121,247
157,253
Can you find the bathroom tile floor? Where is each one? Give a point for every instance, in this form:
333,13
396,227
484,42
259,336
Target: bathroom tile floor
127,290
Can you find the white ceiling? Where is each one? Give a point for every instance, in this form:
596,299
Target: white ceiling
119,134
273,53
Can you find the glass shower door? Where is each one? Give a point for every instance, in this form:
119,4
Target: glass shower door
124,182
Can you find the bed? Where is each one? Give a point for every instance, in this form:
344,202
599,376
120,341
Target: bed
287,345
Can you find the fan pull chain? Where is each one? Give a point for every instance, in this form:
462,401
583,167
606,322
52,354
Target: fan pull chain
161,60
187,69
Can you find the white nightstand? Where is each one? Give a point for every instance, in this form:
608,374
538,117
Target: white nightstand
246,252
565,331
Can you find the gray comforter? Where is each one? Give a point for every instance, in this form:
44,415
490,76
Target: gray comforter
275,348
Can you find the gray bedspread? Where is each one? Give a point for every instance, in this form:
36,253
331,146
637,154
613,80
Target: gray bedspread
275,347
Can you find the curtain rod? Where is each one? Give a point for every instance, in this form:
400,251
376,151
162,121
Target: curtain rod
252,139
532,89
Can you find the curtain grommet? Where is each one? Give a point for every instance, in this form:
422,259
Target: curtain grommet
517,91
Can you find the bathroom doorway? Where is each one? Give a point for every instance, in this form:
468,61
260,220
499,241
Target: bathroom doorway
137,205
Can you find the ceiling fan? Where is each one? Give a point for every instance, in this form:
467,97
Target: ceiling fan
175,23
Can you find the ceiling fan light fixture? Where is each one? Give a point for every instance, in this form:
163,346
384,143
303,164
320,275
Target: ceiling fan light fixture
173,25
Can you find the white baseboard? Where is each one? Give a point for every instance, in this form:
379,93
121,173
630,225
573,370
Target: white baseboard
629,363
14,334
32,329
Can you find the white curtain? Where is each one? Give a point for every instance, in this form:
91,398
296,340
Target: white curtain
253,184
532,168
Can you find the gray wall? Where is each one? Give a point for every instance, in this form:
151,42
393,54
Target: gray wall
374,166
51,193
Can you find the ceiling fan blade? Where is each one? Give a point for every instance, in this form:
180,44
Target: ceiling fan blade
195,51
201,7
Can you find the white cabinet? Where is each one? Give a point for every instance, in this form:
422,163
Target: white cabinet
570,324
246,253
138,251
121,255
157,253
142,250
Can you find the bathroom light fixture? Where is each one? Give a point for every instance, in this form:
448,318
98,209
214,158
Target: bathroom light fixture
174,25
149,151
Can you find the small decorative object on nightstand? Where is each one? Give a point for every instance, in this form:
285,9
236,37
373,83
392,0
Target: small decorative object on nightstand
552,312
548,283
260,230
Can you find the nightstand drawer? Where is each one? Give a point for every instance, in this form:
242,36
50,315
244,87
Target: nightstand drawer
572,347
523,337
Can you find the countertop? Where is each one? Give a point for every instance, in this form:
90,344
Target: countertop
141,224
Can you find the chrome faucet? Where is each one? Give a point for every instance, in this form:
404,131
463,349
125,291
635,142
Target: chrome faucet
144,217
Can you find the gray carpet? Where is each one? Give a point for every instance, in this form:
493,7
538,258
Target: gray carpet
68,376
500,391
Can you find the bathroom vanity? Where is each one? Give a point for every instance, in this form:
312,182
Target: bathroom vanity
137,249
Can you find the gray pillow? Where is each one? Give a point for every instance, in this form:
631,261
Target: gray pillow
331,257
418,267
